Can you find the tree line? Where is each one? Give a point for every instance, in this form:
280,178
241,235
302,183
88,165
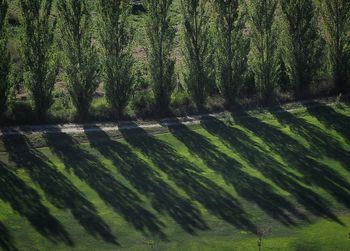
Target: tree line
222,43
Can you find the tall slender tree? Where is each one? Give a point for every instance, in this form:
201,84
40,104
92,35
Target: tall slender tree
118,61
4,59
81,63
336,16
233,48
39,57
160,36
263,58
198,50
303,48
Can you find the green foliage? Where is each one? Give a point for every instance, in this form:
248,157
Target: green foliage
263,58
198,49
303,49
160,40
282,64
336,16
283,80
39,54
143,102
5,86
81,62
117,56
232,49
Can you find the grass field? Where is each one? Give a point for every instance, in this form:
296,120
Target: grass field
214,186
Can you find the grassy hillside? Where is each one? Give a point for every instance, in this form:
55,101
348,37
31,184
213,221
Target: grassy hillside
215,186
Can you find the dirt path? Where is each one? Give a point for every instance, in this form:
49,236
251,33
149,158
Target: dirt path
125,125
129,125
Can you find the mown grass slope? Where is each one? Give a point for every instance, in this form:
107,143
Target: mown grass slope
215,186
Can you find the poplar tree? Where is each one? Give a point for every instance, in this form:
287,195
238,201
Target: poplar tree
232,48
304,49
39,57
116,38
198,50
81,64
4,59
160,34
336,16
263,57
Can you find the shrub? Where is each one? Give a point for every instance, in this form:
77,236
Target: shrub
39,57
233,49
336,16
198,49
81,64
5,86
303,50
117,57
263,58
160,36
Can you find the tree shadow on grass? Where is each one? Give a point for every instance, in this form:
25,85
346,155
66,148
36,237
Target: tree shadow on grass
147,181
330,118
248,187
6,241
90,170
321,142
299,157
260,159
27,202
58,189
189,178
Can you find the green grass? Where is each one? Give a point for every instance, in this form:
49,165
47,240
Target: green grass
213,186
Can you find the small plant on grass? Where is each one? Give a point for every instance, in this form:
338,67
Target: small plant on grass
262,235
5,86
39,57
81,58
153,244
338,101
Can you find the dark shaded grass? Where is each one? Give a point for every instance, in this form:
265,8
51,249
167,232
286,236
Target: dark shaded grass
189,178
321,143
115,194
330,118
297,156
147,181
248,187
58,189
258,158
6,241
27,202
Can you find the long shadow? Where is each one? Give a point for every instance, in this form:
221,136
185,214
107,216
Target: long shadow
189,178
299,157
147,181
6,241
248,187
328,116
58,189
115,194
321,143
259,159
27,202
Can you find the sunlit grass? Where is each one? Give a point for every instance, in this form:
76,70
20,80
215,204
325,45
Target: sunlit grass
269,166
